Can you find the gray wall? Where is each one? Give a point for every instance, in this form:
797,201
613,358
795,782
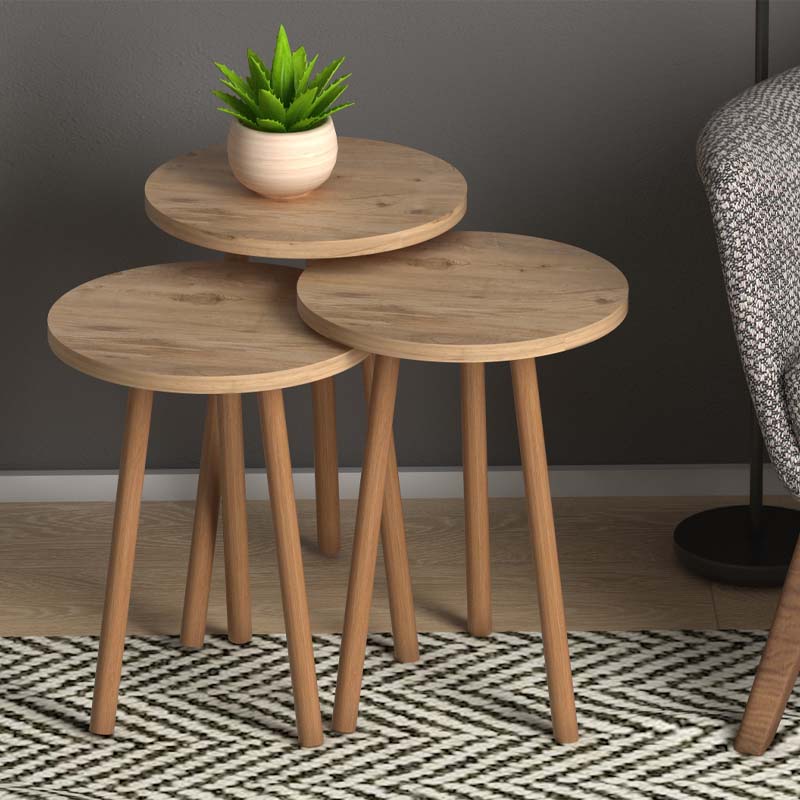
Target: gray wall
570,120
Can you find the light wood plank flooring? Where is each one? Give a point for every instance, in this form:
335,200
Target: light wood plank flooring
618,569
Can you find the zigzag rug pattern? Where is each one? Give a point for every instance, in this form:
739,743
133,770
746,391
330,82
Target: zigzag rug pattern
657,710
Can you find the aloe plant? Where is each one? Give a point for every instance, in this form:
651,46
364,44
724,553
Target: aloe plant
284,98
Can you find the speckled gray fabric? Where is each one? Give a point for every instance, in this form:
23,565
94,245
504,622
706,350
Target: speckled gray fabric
791,390
749,160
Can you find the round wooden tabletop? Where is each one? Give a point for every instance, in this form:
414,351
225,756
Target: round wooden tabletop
380,197
203,327
466,297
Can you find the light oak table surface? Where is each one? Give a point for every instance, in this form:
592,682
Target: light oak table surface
466,296
380,197
194,327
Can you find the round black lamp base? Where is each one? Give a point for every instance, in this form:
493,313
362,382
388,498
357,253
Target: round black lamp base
720,544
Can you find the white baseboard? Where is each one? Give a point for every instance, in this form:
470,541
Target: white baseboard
581,481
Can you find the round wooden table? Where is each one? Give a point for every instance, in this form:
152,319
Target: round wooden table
380,197
470,298
220,330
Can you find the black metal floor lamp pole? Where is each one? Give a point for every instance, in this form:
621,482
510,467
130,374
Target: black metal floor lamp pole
748,545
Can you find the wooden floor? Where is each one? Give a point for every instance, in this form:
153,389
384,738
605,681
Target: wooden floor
618,569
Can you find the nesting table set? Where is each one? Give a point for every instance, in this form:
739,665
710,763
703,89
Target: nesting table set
385,281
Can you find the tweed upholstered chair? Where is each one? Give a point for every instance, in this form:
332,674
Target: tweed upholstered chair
749,162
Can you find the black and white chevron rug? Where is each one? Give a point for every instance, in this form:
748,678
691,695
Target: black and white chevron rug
657,712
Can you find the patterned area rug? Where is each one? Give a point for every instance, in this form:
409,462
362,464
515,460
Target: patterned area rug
657,711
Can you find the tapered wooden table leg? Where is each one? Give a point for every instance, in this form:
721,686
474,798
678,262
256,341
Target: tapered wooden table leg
290,566
120,564
395,551
204,534
326,466
543,538
476,499
234,518
365,544
777,672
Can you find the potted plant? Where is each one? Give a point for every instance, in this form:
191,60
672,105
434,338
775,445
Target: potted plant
282,142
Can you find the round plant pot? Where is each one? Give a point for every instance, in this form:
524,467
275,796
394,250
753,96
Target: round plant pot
282,166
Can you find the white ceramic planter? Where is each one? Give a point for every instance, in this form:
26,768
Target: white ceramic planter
282,166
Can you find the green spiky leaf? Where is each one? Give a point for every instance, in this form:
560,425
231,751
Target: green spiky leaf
270,107
282,74
236,84
243,93
246,121
246,97
300,108
321,79
299,64
307,123
271,125
326,98
302,84
239,106
312,122
259,74
333,110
